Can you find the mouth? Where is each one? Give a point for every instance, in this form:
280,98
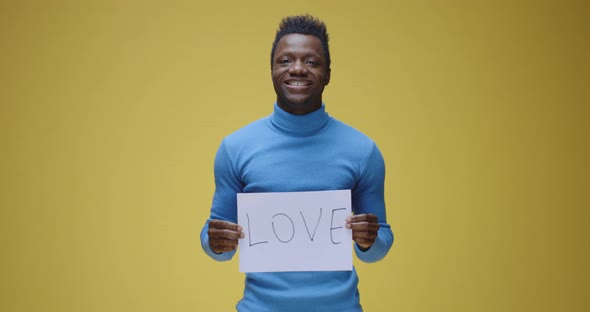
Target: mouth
297,83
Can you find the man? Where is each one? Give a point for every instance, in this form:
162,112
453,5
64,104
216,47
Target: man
299,147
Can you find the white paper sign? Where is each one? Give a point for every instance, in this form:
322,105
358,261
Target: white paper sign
295,231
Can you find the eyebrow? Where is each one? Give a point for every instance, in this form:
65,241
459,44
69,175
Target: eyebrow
291,53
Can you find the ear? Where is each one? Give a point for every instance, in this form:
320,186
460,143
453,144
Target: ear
328,72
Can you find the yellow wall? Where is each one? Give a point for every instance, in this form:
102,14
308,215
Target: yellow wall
111,112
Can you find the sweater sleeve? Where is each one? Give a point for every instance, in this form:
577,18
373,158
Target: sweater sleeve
368,197
224,206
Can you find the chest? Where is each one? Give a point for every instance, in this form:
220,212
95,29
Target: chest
298,165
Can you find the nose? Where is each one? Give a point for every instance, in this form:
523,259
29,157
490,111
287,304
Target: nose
298,69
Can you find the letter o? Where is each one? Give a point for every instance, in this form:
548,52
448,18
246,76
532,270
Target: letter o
292,228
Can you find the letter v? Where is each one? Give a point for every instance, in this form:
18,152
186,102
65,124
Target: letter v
311,237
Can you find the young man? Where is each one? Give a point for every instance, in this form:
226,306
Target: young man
299,147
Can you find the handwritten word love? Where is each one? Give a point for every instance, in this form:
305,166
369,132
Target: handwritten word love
292,229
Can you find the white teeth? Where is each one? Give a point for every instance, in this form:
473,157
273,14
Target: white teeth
297,83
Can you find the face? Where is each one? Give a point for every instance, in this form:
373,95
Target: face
299,73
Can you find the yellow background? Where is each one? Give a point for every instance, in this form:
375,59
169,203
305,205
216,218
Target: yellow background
111,113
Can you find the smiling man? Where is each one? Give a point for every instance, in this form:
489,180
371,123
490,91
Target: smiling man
300,71
299,147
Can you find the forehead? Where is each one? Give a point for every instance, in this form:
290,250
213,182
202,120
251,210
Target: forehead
299,43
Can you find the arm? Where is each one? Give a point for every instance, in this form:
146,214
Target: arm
220,234
372,234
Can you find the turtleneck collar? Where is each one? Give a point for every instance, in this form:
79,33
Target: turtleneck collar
299,125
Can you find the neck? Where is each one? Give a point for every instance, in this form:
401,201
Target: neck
299,109
299,124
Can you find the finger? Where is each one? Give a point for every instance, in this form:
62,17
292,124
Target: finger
225,234
228,248
368,217
222,224
219,249
363,226
364,235
365,243
220,242
222,245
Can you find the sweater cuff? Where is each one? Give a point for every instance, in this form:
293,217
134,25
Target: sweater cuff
380,248
224,256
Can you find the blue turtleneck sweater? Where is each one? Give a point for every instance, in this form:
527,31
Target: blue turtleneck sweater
291,153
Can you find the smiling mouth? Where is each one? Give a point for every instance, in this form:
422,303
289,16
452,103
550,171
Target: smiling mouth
298,83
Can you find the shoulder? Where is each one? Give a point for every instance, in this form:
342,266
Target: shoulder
249,139
349,136
247,134
353,145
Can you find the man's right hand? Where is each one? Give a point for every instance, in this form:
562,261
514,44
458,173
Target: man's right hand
224,235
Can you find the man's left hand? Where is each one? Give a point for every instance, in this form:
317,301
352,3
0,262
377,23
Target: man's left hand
364,229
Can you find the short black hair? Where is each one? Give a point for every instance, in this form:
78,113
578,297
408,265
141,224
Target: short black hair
305,25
